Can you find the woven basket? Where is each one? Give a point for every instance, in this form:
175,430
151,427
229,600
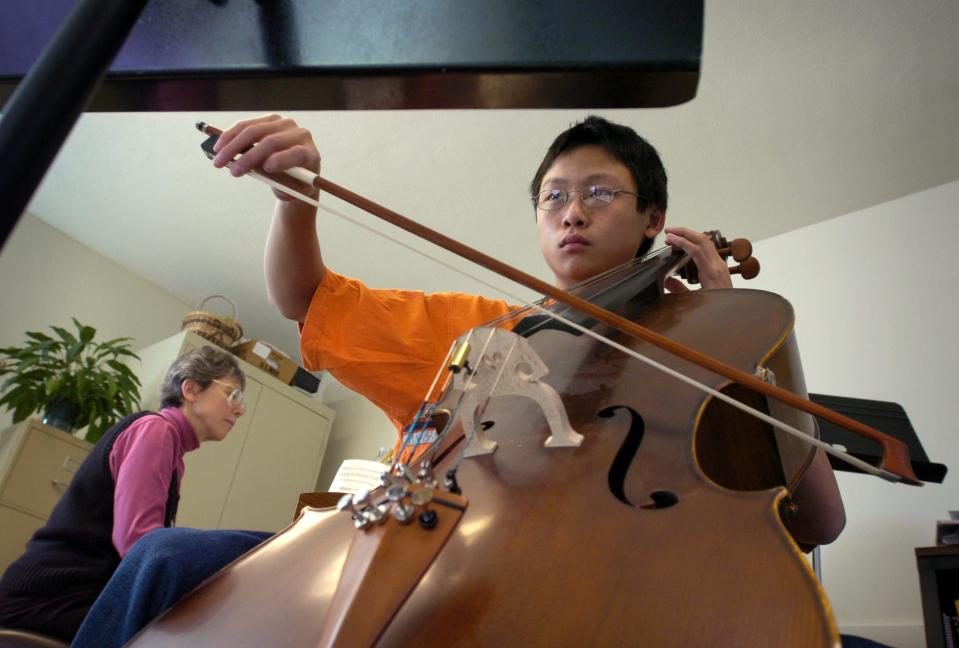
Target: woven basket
218,329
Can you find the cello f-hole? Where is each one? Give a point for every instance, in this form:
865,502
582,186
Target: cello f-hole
658,499
616,477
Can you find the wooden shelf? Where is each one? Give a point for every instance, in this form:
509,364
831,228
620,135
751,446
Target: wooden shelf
939,586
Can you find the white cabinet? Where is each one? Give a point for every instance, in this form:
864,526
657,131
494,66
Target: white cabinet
251,479
37,463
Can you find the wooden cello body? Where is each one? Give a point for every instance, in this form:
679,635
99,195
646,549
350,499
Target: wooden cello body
662,528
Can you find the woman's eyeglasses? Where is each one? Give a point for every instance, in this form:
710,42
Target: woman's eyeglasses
235,397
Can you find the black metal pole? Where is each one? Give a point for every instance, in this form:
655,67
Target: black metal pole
45,106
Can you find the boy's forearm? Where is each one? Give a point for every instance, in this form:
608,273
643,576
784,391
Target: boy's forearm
820,516
292,262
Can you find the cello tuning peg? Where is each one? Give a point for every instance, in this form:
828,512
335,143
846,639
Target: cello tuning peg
345,503
422,496
748,269
404,472
361,497
348,504
376,514
403,513
741,249
396,492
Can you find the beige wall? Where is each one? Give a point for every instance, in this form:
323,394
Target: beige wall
874,293
46,277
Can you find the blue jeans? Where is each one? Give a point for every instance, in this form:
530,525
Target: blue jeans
161,567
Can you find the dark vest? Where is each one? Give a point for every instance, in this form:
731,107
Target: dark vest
74,550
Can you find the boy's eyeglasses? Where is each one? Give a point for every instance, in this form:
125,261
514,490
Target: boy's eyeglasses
235,397
550,199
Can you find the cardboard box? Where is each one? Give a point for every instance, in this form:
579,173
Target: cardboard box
262,355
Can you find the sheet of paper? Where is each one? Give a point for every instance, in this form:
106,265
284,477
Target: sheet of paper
356,474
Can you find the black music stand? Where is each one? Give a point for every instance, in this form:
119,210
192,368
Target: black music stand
889,418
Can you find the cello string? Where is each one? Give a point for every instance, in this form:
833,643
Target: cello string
862,465
425,405
421,421
472,430
894,451
810,440
481,410
664,251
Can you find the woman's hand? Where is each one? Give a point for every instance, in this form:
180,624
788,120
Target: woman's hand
712,268
272,143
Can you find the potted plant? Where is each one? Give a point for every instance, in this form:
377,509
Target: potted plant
75,381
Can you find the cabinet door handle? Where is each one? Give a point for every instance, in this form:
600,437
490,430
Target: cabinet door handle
56,483
67,461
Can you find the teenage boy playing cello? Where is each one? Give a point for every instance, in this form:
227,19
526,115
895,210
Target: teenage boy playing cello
600,196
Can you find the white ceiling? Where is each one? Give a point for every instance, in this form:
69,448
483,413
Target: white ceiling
805,111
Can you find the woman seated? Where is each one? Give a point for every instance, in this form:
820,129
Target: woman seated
128,486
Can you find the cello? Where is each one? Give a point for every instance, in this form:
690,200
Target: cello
680,555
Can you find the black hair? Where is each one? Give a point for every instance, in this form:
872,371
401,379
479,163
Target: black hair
626,146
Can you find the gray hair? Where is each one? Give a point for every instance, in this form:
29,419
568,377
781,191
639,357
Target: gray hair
202,365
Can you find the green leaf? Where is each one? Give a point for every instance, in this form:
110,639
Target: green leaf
86,332
26,388
34,376
65,335
117,366
74,352
48,349
53,385
124,341
91,414
23,410
27,363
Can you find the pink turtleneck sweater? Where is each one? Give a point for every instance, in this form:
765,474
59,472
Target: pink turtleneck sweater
142,462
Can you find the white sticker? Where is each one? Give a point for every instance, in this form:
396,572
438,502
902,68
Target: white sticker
262,350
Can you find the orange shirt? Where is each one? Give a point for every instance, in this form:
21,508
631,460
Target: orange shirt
387,344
